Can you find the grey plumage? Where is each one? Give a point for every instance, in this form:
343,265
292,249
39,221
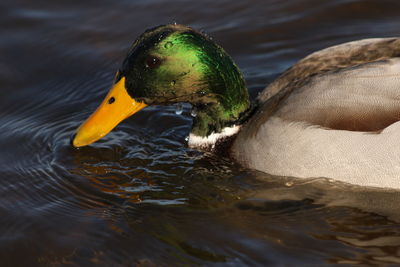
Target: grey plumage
295,131
331,59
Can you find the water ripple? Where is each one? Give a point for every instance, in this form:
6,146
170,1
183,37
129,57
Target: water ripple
139,196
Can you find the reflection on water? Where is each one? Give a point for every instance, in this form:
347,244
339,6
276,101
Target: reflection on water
140,197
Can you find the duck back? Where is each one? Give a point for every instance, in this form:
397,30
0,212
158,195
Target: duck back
334,114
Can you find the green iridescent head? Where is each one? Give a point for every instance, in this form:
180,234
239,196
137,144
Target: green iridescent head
174,63
170,64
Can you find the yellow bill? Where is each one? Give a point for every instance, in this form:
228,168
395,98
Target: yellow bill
117,106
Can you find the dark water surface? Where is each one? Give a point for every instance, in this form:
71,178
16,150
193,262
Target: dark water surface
140,197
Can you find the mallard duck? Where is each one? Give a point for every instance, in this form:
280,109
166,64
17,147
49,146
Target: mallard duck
334,114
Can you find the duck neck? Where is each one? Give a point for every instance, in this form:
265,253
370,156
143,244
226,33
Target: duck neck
217,124
213,119
232,104
229,97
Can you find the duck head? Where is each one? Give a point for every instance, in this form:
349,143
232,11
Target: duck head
166,65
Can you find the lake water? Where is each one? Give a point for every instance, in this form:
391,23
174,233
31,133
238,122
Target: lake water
139,197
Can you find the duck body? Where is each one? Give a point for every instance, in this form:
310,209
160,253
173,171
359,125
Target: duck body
337,119
334,114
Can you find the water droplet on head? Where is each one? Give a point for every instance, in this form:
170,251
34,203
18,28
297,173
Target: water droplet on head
193,112
187,138
168,45
289,184
178,108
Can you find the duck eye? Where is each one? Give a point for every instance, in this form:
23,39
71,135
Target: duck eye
153,62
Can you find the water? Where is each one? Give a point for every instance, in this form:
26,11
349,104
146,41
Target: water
140,197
